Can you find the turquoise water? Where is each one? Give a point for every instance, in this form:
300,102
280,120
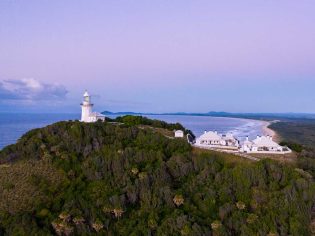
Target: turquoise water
13,126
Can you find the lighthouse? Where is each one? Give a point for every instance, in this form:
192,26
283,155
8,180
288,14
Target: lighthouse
86,106
87,115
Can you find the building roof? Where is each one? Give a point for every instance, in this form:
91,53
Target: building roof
265,141
210,135
247,143
228,136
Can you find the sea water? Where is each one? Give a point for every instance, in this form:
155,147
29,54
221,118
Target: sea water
13,126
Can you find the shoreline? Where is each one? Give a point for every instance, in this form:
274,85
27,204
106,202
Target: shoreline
264,124
268,131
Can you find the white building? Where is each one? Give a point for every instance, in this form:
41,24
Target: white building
263,144
87,114
230,140
179,134
212,139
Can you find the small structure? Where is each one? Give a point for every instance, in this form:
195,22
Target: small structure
179,134
87,115
263,144
212,139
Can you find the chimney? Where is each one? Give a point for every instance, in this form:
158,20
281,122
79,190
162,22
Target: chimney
205,131
246,138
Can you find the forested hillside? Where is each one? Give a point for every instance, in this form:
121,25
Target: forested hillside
73,178
297,131
299,135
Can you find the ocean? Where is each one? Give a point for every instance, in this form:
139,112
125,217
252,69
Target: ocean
14,125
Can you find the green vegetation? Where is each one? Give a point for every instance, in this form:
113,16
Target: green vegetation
73,178
141,120
293,146
296,131
299,135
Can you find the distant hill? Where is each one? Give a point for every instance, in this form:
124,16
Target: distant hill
128,178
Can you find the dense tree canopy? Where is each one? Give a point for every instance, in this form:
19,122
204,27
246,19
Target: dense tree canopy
117,179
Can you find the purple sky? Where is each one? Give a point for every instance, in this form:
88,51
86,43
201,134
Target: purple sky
158,56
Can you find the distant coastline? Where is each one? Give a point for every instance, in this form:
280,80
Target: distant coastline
253,116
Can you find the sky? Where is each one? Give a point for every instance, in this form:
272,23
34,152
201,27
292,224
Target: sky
158,56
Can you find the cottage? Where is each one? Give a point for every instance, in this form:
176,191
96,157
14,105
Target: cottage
212,139
230,140
179,134
263,144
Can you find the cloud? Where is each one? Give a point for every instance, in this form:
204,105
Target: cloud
30,89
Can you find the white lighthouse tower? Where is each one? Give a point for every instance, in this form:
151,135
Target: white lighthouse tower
87,115
86,106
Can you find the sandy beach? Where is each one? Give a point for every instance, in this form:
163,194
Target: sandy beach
267,131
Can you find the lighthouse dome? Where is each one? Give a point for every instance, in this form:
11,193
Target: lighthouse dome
86,94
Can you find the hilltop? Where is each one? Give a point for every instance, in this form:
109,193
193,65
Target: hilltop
127,177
